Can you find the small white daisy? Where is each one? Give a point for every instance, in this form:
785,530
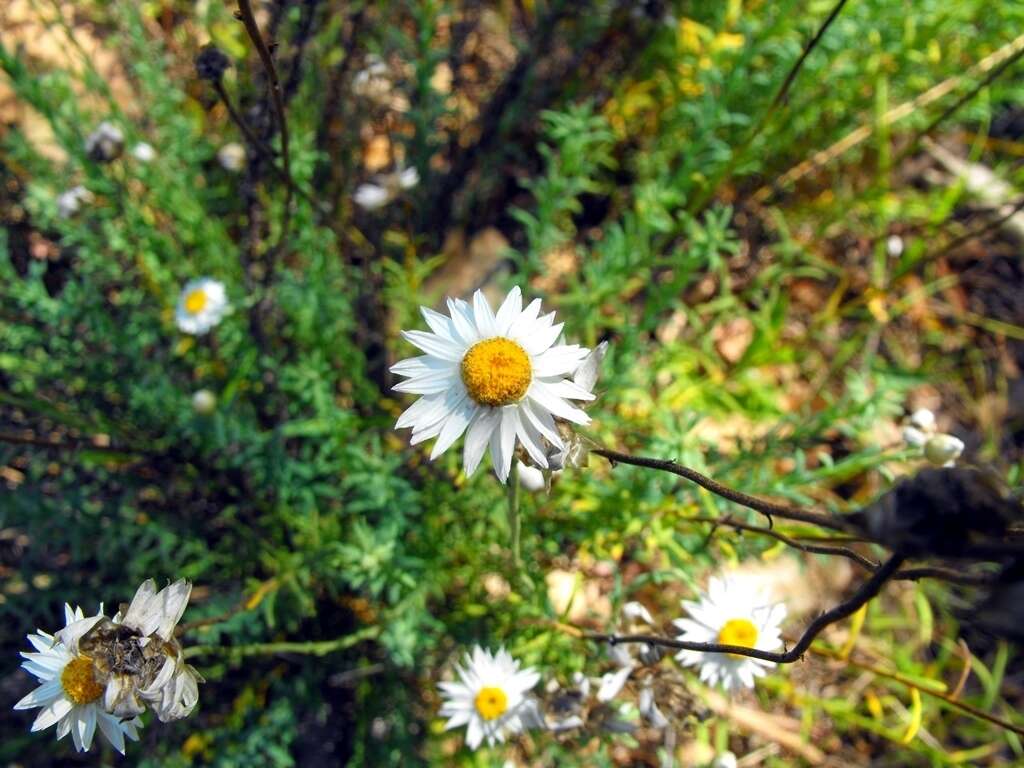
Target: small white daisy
69,693
71,201
202,304
496,377
490,699
734,611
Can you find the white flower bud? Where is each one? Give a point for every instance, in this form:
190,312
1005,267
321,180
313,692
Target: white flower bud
923,419
531,478
943,450
204,402
724,760
894,245
144,152
232,157
914,437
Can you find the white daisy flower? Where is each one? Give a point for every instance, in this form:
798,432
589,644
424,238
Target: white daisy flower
69,693
201,306
489,698
106,143
734,611
496,377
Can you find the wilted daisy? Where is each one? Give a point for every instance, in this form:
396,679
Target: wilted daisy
490,697
388,187
70,692
496,377
940,449
70,201
137,659
734,611
106,143
201,305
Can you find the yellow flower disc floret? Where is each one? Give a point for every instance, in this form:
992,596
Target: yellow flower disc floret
195,302
496,372
79,681
491,703
738,632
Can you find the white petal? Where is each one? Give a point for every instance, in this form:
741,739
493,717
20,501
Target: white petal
424,364
540,340
559,361
556,406
474,733
86,725
483,316
52,713
439,324
479,434
428,410
111,729
612,683
434,345
428,384
42,696
510,309
454,426
586,375
525,320
568,390
503,443
531,441
463,322
541,420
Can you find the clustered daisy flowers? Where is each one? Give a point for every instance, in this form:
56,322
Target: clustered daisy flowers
497,377
733,611
202,304
490,698
104,672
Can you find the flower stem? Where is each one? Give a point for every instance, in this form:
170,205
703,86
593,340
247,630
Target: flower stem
514,524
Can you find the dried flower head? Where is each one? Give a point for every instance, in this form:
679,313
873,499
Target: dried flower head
211,63
105,144
137,660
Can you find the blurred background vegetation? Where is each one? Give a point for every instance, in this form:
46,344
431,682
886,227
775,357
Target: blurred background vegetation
781,281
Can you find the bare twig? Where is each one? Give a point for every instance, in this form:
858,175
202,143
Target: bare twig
867,591
767,508
776,102
249,20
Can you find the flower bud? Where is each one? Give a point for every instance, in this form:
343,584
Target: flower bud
204,402
144,152
232,157
923,419
943,450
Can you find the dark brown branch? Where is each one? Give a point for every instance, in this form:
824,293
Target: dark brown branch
907,574
252,28
866,592
767,508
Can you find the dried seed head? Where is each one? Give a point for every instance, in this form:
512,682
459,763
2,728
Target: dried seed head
211,63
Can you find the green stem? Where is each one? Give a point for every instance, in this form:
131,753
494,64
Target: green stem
514,524
313,648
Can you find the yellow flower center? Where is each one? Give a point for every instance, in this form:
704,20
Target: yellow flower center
491,703
79,681
195,301
738,632
496,372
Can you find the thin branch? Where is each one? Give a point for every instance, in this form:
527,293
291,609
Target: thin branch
252,28
866,592
906,574
776,102
767,508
